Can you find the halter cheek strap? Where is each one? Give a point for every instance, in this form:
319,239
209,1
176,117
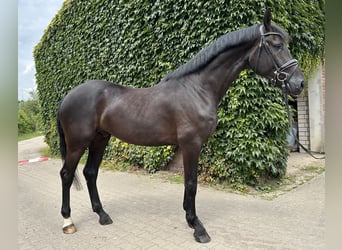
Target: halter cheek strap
280,75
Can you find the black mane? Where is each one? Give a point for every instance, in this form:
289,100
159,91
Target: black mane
206,55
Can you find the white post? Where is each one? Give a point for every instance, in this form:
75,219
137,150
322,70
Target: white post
316,115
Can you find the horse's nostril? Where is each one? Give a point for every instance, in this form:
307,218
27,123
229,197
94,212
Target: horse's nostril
302,84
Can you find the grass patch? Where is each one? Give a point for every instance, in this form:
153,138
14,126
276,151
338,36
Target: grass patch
29,136
47,152
117,166
289,182
175,178
314,169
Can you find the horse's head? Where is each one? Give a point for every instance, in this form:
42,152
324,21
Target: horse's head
272,59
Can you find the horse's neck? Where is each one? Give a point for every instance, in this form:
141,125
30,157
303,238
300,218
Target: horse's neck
223,70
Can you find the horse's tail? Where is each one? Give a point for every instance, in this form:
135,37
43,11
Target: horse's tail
62,147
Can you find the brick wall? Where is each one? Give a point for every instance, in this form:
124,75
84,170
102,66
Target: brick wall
303,122
303,114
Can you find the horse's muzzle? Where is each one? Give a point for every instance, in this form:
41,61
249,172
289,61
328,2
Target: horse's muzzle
295,89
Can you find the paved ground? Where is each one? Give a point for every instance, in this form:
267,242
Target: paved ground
148,214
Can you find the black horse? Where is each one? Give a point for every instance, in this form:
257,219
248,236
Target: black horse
180,110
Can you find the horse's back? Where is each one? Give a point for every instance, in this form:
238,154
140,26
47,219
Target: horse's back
89,94
92,89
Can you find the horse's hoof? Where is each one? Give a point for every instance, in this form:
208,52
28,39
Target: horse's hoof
202,238
70,229
105,220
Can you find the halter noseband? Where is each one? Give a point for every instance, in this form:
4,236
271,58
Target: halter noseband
279,74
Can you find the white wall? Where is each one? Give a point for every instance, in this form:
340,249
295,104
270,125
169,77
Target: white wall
316,115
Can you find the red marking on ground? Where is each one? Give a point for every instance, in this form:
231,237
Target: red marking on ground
38,159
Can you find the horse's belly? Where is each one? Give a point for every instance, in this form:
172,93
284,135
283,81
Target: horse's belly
141,132
144,138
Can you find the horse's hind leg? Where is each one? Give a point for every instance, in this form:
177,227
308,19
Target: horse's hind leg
67,174
96,151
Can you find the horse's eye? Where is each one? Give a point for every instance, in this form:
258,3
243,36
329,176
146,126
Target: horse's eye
278,45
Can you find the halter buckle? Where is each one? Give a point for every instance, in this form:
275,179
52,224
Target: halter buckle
281,76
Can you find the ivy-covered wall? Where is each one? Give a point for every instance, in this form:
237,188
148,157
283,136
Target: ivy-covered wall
137,42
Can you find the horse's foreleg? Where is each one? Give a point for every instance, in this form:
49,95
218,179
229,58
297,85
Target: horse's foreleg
67,176
190,162
96,151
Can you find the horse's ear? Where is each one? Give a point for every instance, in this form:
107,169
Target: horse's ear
267,19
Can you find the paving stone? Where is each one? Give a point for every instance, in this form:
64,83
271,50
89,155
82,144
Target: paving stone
147,214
